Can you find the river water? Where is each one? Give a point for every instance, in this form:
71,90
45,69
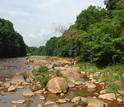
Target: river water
10,66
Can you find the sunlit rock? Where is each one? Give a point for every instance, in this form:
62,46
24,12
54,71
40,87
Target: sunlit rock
28,93
95,102
57,85
21,101
12,88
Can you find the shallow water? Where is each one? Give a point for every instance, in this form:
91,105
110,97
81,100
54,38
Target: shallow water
10,66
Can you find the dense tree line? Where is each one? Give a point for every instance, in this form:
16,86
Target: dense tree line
11,42
97,35
36,51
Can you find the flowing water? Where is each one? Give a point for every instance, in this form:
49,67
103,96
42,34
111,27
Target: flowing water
10,66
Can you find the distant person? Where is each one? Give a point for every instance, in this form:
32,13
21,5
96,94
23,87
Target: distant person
71,59
74,60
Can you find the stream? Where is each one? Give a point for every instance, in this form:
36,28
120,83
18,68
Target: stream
10,66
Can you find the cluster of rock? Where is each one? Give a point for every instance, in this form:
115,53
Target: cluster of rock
60,85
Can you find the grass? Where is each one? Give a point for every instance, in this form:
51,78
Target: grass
44,80
111,73
50,59
26,75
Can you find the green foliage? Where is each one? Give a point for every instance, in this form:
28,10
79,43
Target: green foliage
90,16
26,75
111,4
41,69
58,73
50,59
44,80
37,51
11,42
96,36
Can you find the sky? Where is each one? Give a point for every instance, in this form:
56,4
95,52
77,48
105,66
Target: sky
36,20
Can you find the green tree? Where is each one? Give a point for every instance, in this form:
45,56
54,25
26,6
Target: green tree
90,16
111,4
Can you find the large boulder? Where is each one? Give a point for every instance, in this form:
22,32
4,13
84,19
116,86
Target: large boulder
57,85
95,102
17,79
72,75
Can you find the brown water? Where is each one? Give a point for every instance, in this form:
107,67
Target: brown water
10,66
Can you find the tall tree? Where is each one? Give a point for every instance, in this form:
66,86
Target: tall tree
111,4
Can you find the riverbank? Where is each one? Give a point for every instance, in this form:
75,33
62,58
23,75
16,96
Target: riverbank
83,79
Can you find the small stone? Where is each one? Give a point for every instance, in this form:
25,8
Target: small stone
110,99
42,98
2,93
15,106
18,101
55,105
61,101
38,92
12,88
45,92
25,83
62,94
119,100
39,105
67,99
49,102
20,87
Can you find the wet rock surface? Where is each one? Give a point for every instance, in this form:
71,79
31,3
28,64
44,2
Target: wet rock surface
70,93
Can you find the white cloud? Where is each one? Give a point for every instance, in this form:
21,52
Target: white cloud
36,20
18,13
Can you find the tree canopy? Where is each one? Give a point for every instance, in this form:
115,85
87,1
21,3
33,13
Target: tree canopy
97,35
11,42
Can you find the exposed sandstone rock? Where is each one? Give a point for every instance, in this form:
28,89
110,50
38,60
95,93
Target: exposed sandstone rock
25,83
19,73
28,93
55,105
42,98
15,106
91,85
103,91
72,75
20,87
49,103
108,95
78,98
57,85
95,102
38,92
1,83
12,88
61,101
39,105
7,84
71,85
119,100
17,79
2,93
18,101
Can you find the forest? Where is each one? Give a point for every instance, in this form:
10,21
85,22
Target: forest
96,36
11,42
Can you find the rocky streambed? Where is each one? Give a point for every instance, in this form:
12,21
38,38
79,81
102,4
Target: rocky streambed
74,89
